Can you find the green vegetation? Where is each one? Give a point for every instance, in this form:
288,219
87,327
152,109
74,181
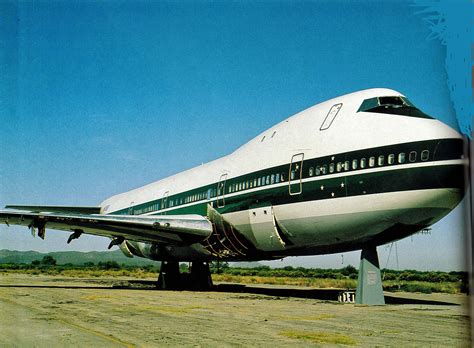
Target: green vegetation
406,280
343,278
48,265
73,257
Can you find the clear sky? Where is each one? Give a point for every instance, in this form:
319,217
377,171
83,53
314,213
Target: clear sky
101,97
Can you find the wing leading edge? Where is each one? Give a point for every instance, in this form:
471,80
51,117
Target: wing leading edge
56,209
171,229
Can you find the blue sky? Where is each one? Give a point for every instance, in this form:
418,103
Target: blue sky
99,98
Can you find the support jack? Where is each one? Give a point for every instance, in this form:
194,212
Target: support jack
369,283
200,277
170,278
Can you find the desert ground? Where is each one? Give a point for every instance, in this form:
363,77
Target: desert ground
51,311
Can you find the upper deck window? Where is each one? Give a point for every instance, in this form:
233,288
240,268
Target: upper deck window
331,116
395,105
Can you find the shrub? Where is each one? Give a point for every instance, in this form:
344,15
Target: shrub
108,265
48,260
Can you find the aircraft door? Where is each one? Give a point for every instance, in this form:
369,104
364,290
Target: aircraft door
164,202
295,174
221,191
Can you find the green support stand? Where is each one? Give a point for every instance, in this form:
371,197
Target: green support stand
369,283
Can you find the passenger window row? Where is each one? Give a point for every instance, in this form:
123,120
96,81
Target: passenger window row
264,180
270,179
370,162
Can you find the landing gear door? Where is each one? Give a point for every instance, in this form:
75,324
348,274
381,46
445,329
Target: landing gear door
295,174
221,191
265,232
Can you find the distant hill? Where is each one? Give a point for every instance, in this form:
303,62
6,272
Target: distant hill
74,257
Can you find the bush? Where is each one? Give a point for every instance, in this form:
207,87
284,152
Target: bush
349,271
108,265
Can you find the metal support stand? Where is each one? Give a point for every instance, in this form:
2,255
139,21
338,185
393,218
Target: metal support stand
169,277
200,278
369,282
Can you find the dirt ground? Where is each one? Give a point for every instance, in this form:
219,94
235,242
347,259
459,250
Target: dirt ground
48,311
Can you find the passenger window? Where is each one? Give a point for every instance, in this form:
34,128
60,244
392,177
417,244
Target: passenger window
331,116
311,171
338,166
324,169
247,184
272,179
425,154
259,181
331,168
251,183
363,163
381,160
292,175
354,164
371,161
282,176
401,157
318,170
268,180
346,165
412,156
277,178
391,158
254,182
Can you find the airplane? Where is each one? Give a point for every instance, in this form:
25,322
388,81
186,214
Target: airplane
352,173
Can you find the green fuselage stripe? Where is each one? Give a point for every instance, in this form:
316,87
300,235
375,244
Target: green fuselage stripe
351,182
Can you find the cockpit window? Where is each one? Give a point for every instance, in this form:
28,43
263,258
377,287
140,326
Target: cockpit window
395,105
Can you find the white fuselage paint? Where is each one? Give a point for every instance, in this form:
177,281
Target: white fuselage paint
324,222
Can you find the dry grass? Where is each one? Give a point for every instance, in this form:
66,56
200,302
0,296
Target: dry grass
308,282
320,283
320,337
88,273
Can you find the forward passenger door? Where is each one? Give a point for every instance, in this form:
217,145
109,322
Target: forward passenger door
295,174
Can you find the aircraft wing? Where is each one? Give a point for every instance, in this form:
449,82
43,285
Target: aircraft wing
174,229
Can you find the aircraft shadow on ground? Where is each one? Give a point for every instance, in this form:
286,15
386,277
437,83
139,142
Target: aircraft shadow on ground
316,294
